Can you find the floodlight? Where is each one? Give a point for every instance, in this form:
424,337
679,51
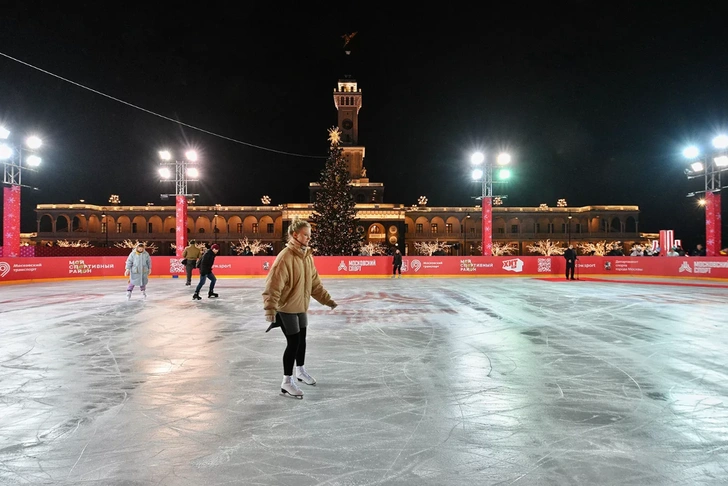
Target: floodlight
503,158
33,160
191,155
33,142
192,172
165,172
4,133
697,166
165,155
504,174
477,174
720,142
702,202
691,152
721,161
5,152
477,158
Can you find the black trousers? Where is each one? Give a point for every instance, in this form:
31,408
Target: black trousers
189,267
570,269
397,268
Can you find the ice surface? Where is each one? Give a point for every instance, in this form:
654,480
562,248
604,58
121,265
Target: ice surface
420,382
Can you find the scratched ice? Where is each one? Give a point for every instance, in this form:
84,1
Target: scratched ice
420,382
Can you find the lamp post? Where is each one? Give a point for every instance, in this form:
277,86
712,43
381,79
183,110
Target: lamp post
485,175
465,234
106,227
569,223
185,171
710,167
12,159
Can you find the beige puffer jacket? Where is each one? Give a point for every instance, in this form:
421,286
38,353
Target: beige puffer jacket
292,281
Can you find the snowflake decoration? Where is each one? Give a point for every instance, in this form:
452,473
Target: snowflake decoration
422,201
265,200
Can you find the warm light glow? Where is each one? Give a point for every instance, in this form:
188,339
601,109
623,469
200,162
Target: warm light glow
477,158
721,161
4,133
701,202
33,160
720,142
477,174
691,152
503,158
33,142
191,155
165,173
5,152
165,155
192,172
696,166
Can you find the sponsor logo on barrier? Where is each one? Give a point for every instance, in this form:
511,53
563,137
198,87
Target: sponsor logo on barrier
513,265
266,265
4,269
705,267
80,266
468,265
356,265
416,265
685,267
544,265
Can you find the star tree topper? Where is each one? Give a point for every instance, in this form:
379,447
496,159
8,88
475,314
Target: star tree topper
334,136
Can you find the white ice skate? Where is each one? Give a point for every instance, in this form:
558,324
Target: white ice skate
290,389
128,295
303,376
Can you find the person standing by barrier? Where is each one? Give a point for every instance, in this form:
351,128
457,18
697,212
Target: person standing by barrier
138,268
206,263
570,257
291,282
191,253
397,263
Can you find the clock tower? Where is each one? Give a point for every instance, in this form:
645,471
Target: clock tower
347,99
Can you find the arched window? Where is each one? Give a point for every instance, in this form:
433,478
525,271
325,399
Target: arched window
201,230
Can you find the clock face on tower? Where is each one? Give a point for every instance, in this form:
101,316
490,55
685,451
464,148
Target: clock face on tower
347,124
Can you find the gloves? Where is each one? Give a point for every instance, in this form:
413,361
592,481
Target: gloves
270,317
126,272
333,305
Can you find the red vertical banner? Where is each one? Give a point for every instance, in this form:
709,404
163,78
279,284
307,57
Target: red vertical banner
712,224
181,224
667,241
487,217
11,221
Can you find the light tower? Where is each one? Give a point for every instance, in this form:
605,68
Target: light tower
185,171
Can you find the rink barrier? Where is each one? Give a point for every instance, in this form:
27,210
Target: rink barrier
15,270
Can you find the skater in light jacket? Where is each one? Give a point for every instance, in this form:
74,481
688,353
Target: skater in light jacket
291,283
138,269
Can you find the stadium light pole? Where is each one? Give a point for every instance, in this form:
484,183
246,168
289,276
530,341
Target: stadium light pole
710,166
485,175
11,156
185,171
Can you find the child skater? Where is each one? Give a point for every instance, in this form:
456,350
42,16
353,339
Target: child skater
291,283
138,269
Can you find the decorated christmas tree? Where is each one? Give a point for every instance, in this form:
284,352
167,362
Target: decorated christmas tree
334,220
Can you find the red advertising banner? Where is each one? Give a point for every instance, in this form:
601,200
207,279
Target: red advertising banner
26,269
11,221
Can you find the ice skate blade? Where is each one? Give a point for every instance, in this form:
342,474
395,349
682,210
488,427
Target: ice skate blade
286,394
301,380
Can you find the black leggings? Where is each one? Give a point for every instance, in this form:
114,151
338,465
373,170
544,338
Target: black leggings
295,351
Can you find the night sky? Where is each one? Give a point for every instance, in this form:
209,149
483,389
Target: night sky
594,103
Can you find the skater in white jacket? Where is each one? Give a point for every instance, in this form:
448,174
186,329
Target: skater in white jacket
138,269
291,283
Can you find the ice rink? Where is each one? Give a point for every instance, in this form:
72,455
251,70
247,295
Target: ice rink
478,381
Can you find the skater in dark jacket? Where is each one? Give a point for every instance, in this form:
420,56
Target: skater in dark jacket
206,263
570,257
397,263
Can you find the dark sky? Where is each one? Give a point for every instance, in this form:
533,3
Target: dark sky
595,103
